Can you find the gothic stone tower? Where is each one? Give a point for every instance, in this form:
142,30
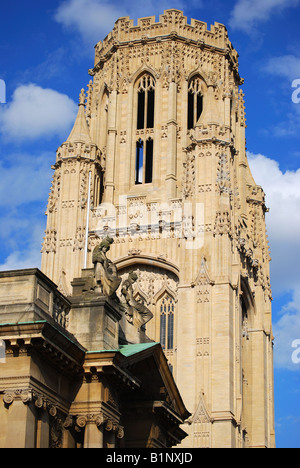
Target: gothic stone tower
157,160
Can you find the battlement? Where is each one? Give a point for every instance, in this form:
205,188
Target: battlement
171,22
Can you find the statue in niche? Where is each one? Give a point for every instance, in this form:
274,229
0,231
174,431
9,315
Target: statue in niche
136,312
106,279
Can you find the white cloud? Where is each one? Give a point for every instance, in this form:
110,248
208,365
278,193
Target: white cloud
24,189
94,19
287,89
55,64
287,335
19,260
25,179
28,255
283,221
91,18
283,224
247,13
286,66
290,126
35,112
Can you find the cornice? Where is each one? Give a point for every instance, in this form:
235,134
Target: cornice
61,160
57,347
227,52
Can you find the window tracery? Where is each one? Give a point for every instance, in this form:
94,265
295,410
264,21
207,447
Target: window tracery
145,122
195,101
167,311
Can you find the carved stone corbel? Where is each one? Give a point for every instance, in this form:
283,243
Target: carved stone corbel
68,423
81,422
120,432
24,395
113,426
99,419
52,411
8,397
39,401
108,425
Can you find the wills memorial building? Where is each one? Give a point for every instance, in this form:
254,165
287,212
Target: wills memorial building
156,163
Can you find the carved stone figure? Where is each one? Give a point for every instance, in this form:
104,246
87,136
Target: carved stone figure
106,276
136,312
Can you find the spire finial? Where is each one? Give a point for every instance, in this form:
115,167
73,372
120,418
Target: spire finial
80,131
82,98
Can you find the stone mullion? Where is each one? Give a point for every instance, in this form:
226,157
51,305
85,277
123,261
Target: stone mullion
172,140
111,148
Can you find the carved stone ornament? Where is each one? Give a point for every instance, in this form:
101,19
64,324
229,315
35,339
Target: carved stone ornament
26,396
136,312
109,425
81,421
222,223
120,432
105,281
39,402
8,397
99,419
68,422
53,411
56,433
223,176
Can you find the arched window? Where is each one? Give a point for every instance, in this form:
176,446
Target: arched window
103,126
167,310
244,320
195,101
144,161
146,98
145,122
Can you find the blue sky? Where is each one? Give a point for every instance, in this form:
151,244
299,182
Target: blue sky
46,49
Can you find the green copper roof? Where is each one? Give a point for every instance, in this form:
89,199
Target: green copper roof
31,322
129,350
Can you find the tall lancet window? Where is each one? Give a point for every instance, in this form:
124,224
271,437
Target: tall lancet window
167,311
195,101
145,126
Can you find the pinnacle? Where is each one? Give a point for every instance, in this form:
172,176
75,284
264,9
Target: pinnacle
80,131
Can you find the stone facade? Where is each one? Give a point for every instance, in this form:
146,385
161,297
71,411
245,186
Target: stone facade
157,161
82,389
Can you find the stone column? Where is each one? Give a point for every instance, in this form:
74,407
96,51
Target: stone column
42,436
172,140
110,428
21,423
111,147
93,434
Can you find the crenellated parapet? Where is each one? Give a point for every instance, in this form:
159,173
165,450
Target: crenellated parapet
172,26
171,22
